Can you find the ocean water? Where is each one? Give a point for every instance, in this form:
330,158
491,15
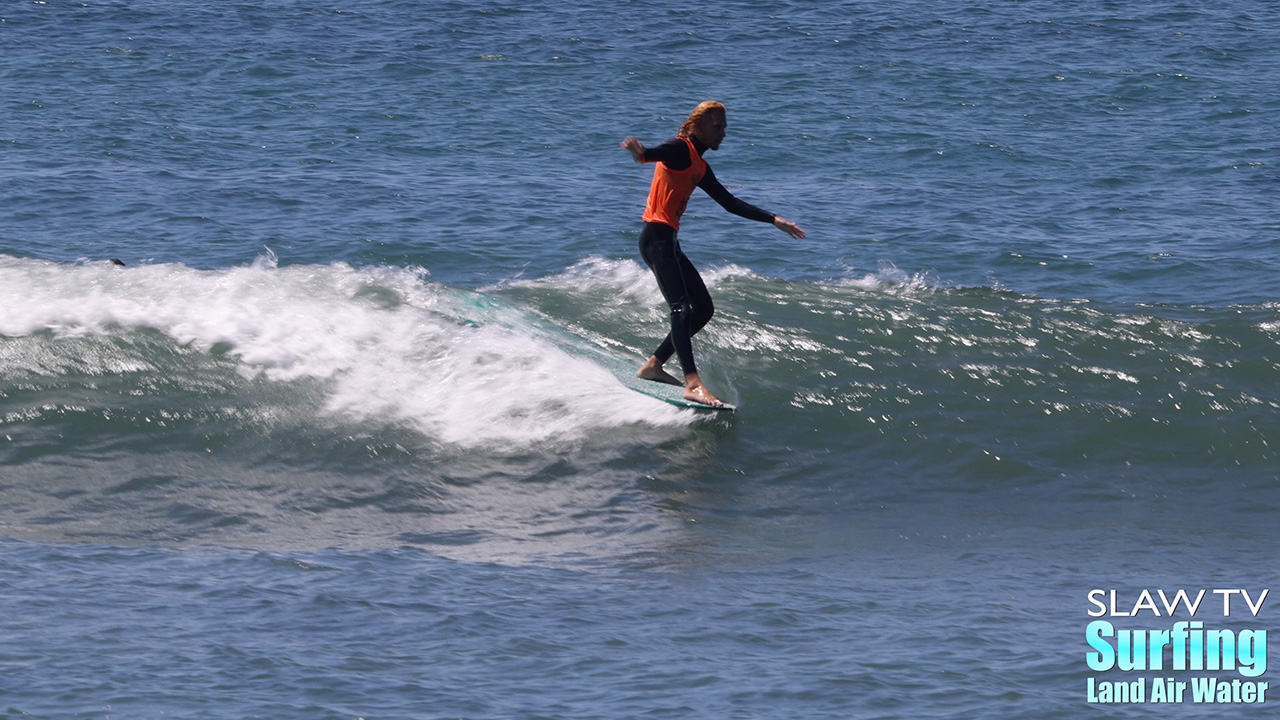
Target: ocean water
327,445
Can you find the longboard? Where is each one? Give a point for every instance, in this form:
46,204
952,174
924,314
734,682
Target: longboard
625,371
492,309
673,394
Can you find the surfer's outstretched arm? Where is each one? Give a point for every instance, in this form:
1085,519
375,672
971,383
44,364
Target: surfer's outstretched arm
727,200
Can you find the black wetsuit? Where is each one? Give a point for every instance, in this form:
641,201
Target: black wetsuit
678,279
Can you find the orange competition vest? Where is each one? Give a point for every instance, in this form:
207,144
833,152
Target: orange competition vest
670,190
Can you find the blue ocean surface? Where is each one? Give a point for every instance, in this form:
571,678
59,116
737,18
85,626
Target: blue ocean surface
334,437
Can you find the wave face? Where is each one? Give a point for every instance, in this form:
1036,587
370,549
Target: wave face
191,388
158,376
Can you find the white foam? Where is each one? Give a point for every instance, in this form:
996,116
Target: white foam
627,280
387,343
888,278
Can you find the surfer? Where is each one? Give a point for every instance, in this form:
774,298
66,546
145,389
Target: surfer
679,169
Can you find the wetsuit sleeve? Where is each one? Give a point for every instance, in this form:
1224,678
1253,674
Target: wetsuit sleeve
727,201
673,153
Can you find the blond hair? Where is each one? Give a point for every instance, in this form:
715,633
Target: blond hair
704,108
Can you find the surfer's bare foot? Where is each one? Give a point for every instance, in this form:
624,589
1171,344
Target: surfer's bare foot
652,370
695,391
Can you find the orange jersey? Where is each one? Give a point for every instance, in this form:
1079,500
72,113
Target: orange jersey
670,190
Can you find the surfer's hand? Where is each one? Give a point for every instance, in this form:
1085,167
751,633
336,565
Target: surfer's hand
635,147
788,227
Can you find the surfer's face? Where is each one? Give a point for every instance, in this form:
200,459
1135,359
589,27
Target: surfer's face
711,128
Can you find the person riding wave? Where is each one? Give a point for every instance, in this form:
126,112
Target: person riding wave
680,169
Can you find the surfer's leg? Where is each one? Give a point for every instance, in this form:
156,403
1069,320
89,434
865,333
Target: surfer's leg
697,312
700,306
691,308
659,249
